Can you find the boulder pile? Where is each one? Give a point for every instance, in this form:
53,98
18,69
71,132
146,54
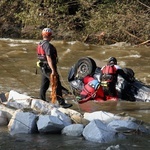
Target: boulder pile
26,115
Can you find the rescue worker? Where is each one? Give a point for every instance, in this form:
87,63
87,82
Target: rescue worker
109,76
47,55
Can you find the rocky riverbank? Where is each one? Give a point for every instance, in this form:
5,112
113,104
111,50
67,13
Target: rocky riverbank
25,115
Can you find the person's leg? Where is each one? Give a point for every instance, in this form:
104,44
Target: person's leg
60,99
44,87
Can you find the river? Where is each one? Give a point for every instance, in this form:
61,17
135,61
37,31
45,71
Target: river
18,72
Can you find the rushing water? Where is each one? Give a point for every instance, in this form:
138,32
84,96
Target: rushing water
18,72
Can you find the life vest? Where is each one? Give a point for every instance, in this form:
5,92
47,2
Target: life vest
108,73
87,79
40,52
90,89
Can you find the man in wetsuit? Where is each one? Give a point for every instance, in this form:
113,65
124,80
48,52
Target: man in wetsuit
47,55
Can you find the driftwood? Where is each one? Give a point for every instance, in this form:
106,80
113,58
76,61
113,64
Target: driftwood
143,43
141,40
144,4
133,35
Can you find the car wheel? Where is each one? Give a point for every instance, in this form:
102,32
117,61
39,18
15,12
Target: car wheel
85,66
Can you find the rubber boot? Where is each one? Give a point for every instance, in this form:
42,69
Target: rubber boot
63,104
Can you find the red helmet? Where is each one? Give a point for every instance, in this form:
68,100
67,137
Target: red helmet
46,32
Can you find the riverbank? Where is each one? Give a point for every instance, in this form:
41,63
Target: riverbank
96,22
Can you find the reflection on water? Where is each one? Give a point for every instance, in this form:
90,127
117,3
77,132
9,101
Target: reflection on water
17,72
60,142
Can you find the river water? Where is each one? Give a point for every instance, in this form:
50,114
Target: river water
18,72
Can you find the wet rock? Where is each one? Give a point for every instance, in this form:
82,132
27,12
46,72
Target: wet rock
97,131
73,130
22,122
49,124
117,147
3,119
127,126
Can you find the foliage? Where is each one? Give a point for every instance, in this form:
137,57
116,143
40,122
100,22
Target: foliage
126,20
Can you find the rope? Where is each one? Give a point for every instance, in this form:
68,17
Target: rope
53,94
62,81
68,87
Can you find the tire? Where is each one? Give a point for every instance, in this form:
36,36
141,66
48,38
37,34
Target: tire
85,66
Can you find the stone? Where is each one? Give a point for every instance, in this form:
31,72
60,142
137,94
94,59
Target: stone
22,122
49,124
73,130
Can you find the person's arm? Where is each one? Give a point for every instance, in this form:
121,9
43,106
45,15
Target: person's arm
50,63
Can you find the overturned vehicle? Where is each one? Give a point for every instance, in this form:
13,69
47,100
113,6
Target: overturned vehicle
84,78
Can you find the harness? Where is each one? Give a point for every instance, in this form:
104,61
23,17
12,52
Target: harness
41,55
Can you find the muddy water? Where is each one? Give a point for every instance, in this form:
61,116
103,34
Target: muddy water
18,72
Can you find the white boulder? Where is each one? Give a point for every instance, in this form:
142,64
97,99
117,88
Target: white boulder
63,117
13,95
41,106
73,130
105,117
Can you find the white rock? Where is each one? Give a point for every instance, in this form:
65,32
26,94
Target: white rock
13,95
73,130
41,106
70,112
101,115
63,117
49,124
117,147
97,131
22,122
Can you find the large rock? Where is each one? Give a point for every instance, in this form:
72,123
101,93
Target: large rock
101,115
13,95
75,116
73,130
97,131
3,119
49,124
17,100
41,106
22,122
127,126
63,117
